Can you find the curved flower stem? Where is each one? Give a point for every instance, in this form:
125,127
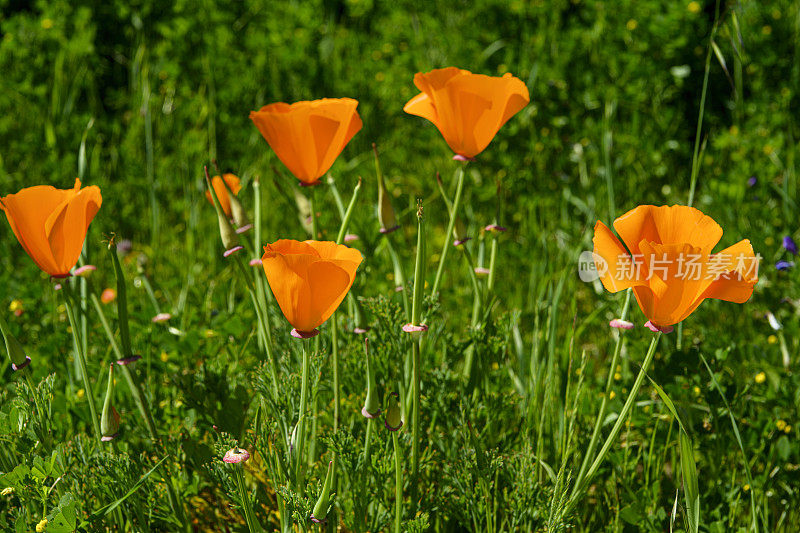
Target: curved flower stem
450,225
623,415
398,484
609,382
65,286
247,508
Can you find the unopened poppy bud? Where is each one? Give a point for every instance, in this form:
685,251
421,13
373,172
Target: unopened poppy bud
394,414
16,352
227,233
460,232
371,407
386,215
318,516
238,214
109,421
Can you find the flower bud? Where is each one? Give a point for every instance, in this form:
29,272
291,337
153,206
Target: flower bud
236,455
238,213
394,414
226,231
109,421
789,245
371,407
15,350
318,516
386,215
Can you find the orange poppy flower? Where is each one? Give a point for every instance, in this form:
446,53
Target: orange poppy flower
309,279
308,136
51,223
669,264
468,108
222,191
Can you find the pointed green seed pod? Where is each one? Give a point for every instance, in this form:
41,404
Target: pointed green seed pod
318,516
109,421
394,414
371,407
15,350
386,215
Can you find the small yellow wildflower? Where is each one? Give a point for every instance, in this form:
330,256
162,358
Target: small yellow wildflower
612,395
772,339
617,376
41,526
7,491
47,24
696,390
164,356
787,429
14,305
80,394
780,424
766,30
746,487
631,25
495,366
761,377
693,7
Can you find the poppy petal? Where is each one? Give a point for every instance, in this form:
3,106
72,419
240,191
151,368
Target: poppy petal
618,271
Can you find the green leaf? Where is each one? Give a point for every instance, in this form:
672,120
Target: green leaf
690,489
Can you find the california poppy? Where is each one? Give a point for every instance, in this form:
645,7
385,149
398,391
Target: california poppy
222,191
51,223
669,264
468,108
308,136
309,279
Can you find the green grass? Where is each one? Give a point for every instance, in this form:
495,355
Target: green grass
137,97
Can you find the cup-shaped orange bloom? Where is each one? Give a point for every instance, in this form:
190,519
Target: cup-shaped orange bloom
469,109
222,191
308,136
309,279
667,260
51,223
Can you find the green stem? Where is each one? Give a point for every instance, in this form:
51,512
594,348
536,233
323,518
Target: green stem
398,484
335,364
415,420
367,440
450,225
492,264
301,423
609,382
249,516
81,357
623,415
400,277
